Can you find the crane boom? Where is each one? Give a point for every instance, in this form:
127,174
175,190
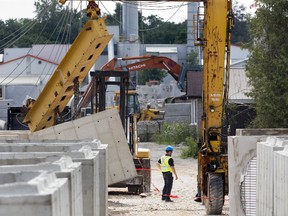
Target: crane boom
76,64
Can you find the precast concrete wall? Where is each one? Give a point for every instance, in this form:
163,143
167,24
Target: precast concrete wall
241,157
33,194
281,182
105,126
266,168
89,165
63,167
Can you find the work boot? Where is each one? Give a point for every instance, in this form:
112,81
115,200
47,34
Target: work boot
197,198
169,200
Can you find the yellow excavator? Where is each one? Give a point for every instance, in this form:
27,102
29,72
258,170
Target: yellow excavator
143,114
212,29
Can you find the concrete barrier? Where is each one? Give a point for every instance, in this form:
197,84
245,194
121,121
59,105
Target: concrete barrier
63,167
242,159
33,194
266,172
89,165
281,182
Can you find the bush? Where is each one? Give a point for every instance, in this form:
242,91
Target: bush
191,149
173,134
179,133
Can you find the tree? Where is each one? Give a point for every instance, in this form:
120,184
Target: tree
115,19
153,30
267,67
150,74
192,58
239,33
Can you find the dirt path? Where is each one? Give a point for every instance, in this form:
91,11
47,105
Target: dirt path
184,187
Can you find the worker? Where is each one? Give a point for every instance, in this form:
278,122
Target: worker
166,165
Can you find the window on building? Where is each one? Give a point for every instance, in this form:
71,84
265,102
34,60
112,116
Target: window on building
1,92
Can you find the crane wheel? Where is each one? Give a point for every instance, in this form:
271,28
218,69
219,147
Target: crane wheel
215,199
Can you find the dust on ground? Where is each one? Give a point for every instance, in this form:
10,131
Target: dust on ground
123,203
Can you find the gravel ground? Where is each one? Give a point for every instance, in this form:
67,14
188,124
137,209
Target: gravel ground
184,188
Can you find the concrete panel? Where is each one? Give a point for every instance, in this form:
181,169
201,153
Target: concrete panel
33,194
281,182
14,135
96,146
90,175
262,132
108,129
265,174
241,150
63,168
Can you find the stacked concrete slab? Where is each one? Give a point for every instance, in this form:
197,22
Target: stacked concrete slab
241,151
33,193
98,170
105,126
63,167
92,191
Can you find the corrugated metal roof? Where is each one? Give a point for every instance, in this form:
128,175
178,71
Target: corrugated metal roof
29,55
238,86
161,49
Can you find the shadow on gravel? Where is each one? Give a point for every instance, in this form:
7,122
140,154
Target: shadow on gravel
118,204
115,193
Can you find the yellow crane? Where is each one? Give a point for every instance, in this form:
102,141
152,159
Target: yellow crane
72,70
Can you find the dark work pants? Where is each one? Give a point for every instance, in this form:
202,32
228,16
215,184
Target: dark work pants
168,183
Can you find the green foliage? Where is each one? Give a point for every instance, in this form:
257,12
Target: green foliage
192,58
179,133
191,150
153,30
57,24
114,19
150,74
54,24
267,67
240,33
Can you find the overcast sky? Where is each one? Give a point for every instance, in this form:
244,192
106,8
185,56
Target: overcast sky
25,9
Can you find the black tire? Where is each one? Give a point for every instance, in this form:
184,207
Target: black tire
215,198
135,189
132,189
